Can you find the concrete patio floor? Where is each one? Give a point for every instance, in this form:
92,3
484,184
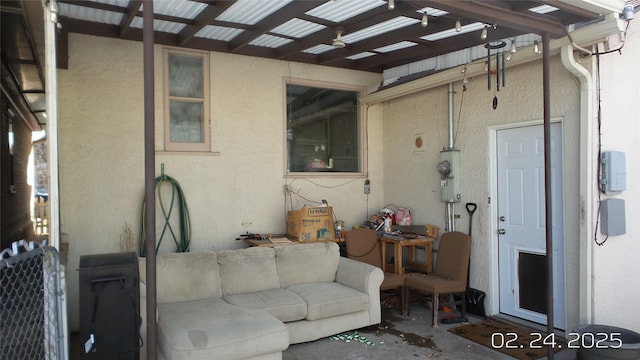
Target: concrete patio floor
410,337
397,337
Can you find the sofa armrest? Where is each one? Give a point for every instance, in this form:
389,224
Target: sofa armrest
366,278
358,275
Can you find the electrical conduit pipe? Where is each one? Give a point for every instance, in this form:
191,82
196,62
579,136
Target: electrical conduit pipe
451,206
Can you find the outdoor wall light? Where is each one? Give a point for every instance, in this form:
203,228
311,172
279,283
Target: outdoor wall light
425,20
483,34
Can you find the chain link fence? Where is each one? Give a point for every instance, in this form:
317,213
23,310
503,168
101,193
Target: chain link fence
32,316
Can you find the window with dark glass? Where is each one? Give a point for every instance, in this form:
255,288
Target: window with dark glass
186,90
323,129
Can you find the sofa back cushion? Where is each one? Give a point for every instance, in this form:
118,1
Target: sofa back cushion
184,276
307,263
248,270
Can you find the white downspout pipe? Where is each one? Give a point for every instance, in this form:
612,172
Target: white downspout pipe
50,14
51,89
587,182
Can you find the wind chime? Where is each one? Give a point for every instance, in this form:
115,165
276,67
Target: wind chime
500,65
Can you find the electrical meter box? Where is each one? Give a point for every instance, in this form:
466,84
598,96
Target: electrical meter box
613,174
612,217
450,176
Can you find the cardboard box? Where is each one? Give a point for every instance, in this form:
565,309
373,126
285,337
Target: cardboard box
311,224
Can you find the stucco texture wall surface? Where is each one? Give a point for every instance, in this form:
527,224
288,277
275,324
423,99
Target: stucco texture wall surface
239,186
236,188
616,263
411,177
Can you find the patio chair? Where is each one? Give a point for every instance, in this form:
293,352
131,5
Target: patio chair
450,276
362,244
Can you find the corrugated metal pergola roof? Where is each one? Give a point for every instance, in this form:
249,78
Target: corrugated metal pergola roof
375,36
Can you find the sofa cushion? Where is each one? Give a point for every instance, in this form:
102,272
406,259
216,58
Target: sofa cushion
184,276
281,303
248,270
213,329
329,299
307,263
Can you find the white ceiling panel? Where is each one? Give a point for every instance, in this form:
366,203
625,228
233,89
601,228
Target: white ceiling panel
180,8
297,28
251,11
544,9
121,3
159,25
218,33
341,10
381,28
90,14
452,32
270,41
396,46
432,11
318,49
361,55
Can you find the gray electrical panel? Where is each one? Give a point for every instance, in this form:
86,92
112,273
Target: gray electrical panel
612,217
613,172
450,177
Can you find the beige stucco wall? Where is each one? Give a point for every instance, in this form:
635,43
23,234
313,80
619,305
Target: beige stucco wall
616,264
411,177
238,189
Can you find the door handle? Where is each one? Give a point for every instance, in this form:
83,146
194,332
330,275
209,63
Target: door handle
501,232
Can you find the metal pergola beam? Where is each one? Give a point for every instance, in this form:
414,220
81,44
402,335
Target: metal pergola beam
546,86
149,178
489,12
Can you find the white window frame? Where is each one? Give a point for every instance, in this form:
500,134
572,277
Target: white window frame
205,145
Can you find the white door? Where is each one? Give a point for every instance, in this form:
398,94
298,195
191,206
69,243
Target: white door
521,223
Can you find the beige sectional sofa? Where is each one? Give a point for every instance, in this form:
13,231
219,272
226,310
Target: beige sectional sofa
253,303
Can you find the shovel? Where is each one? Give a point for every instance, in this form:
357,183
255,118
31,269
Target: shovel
471,208
475,297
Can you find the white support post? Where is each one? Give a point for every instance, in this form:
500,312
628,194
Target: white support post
51,89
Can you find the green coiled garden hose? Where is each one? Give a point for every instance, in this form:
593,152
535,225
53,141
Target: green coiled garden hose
182,243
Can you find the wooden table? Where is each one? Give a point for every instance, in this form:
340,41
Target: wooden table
269,243
398,243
